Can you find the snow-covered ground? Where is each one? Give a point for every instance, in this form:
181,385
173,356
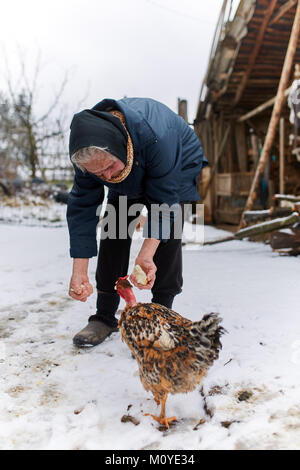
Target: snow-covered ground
54,396
32,210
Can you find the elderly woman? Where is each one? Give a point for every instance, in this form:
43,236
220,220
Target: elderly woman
143,151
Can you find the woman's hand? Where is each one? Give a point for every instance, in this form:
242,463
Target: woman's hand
149,268
145,261
80,287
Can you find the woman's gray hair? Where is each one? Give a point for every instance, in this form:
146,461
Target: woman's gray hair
84,154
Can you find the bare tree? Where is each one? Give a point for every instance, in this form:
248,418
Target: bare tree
29,134
8,150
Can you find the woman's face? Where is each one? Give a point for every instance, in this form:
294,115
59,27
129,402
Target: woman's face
104,165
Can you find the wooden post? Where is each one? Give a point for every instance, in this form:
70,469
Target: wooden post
255,149
215,168
182,109
212,191
241,146
217,159
281,160
285,75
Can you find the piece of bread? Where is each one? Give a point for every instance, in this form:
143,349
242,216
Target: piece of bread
140,275
73,290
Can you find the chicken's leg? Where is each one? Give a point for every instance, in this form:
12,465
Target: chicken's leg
162,419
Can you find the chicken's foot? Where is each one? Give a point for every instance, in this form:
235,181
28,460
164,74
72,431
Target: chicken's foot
162,419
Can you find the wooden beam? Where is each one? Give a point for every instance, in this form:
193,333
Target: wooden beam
284,79
286,197
253,56
282,10
274,212
281,159
254,230
262,107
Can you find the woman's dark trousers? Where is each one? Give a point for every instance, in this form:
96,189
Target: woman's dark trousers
113,260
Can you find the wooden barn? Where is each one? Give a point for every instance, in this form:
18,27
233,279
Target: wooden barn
243,115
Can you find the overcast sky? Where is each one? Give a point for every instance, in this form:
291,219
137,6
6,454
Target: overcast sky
113,48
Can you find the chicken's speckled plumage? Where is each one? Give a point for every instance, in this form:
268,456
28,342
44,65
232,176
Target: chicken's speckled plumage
173,353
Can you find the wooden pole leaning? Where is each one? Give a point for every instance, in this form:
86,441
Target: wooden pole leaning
284,79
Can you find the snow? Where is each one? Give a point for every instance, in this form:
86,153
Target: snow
32,210
55,396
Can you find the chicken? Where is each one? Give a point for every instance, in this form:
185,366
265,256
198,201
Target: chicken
173,353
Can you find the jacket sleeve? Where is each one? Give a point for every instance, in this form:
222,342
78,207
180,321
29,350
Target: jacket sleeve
162,184
82,214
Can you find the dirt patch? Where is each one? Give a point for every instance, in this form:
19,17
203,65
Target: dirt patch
14,392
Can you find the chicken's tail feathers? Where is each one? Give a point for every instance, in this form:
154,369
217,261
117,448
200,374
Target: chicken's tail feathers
209,331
